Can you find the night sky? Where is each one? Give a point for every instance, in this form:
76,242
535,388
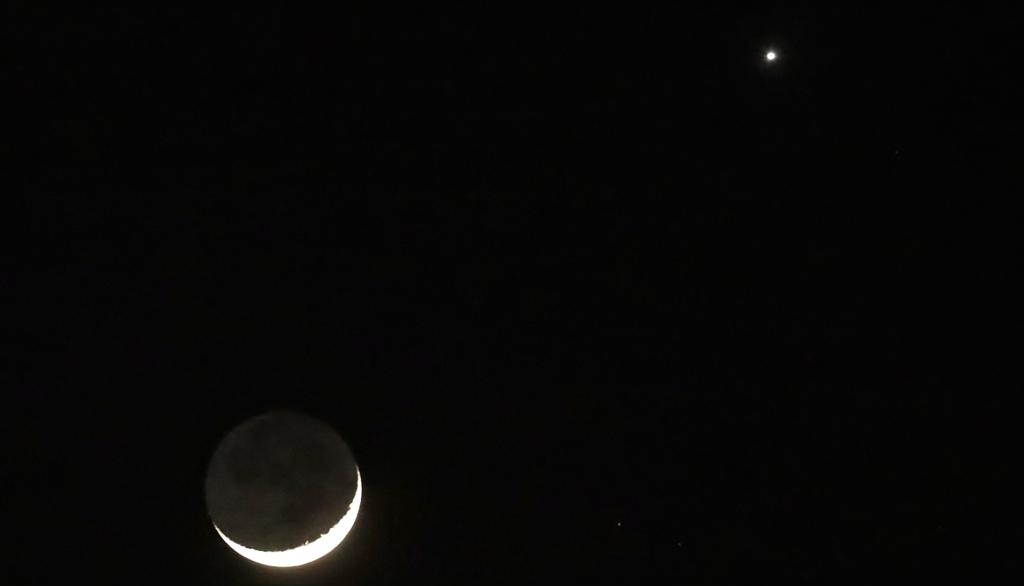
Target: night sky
595,297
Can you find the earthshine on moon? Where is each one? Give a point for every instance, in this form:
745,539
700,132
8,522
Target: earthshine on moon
283,489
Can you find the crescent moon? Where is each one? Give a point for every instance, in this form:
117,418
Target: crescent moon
309,551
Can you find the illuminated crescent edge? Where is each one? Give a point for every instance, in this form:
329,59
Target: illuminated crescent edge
309,551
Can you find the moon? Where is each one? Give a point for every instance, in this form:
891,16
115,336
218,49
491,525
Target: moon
283,489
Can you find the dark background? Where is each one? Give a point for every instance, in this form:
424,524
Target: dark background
596,295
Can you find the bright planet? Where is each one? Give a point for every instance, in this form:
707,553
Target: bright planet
283,489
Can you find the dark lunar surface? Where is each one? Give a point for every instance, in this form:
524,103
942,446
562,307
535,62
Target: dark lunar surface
279,480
